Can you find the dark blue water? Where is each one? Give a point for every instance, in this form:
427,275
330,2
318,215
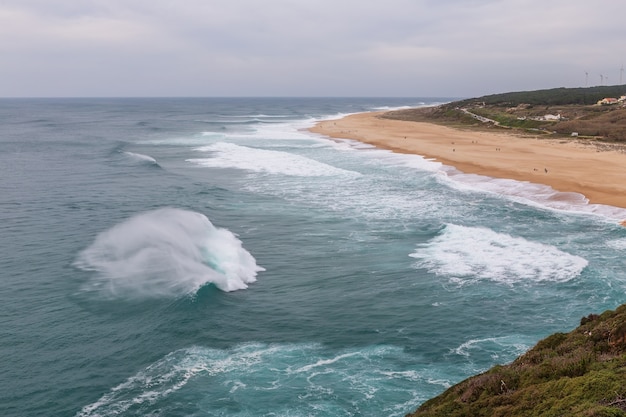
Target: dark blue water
208,257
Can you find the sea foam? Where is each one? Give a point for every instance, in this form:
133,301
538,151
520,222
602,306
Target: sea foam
533,194
167,252
230,155
467,254
278,379
494,346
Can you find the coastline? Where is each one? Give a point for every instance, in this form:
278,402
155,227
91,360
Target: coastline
562,164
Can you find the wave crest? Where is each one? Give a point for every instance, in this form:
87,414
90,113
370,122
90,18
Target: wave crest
166,253
140,158
230,155
496,257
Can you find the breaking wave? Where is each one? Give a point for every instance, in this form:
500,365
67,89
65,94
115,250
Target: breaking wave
230,155
495,256
140,158
166,253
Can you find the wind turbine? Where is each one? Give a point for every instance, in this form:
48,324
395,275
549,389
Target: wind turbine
621,74
587,78
601,79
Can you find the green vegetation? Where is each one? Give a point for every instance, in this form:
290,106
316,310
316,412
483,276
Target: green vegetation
551,97
505,119
568,110
581,373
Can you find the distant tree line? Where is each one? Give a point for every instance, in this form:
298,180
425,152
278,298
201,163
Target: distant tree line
551,97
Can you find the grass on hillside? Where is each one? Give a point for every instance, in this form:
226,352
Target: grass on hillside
581,373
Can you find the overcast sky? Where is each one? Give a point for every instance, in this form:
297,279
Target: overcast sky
443,48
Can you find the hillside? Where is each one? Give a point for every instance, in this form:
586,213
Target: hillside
560,112
551,97
581,373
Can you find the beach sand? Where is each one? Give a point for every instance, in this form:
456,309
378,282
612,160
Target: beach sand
567,165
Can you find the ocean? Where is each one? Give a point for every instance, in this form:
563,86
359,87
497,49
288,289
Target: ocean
211,257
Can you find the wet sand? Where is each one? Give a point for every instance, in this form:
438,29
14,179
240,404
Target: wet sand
568,165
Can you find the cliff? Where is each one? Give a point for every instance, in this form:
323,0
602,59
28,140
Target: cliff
581,373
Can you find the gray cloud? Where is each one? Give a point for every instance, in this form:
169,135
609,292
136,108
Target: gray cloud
300,47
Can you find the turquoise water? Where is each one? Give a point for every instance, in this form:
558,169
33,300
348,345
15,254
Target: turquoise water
208,257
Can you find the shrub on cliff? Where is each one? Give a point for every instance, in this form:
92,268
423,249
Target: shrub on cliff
581,373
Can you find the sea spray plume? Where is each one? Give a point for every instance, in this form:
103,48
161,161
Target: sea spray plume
120,156
167,252
140,158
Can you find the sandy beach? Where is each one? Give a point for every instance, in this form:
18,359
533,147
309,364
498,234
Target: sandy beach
566,165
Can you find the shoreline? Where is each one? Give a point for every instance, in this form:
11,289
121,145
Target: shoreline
562,164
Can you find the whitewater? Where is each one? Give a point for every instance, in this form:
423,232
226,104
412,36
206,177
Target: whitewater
211,257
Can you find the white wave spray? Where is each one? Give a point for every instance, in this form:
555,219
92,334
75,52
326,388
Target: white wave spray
166,253
230,155
141,158
495,256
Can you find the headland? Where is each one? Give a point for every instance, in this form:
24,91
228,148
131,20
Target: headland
591,166
580,373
